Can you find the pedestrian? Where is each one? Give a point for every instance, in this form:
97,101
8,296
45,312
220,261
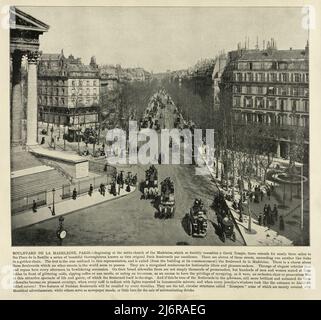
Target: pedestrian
265,209
264,219
261,194
271,219
74,194
272,187
91,189
103,189
269,215
34,206
249,185
281,223
256,196
268,193
260,219
118,189
275,212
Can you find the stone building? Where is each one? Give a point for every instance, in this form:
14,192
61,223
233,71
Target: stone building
269,87
68,90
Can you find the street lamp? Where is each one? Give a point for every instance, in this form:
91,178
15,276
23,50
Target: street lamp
61,232
53,212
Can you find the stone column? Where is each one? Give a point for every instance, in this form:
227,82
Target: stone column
32,104
16,98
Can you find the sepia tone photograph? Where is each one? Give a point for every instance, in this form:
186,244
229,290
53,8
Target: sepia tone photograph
159,126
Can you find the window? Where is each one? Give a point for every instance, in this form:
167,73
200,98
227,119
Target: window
88,83
305,121
283,91
295,91
95,82
237,89
282,104
271,90
306,105
297,77
80,82
306,92
73,82
260,77
260,90
236,102
271,104
307,77
273,77
248,89
259,103
294,105
248,102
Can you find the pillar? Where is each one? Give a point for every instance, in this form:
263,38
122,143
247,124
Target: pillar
278,149
16,98
32,105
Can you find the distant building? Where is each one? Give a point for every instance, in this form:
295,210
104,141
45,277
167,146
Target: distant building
270,87
68,90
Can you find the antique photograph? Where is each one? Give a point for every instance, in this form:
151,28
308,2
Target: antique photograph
159,126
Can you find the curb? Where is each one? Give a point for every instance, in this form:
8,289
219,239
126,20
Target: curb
72,211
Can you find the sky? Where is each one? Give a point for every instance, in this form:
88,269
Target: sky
163,38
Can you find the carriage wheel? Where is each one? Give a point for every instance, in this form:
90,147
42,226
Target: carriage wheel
223,236
189,227
172,212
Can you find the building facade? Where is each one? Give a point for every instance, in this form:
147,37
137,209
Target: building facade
269,87
220,63
68,91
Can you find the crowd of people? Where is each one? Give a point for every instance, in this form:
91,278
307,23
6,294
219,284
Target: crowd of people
269,216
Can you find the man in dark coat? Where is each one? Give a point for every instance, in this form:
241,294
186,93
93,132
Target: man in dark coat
275,212
91,189
74,194
34,206
281,223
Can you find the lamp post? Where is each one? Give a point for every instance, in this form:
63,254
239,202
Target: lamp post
53,212
61,232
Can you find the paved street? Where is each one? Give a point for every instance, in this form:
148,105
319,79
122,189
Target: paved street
131,221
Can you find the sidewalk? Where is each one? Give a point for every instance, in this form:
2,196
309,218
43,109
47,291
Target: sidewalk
259,235
65,207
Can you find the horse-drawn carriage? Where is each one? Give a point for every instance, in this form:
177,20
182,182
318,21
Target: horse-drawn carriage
224,218
197,220
131,179
166,206
150,185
